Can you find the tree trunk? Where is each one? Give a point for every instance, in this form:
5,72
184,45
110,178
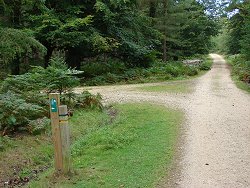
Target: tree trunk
152,9
73,59
165,6
164,49
17,13
48,56
15,66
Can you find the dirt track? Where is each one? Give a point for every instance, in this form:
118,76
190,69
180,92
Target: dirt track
215,149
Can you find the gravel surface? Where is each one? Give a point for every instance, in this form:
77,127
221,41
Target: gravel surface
214,150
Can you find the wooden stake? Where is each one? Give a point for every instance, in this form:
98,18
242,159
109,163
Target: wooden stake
54,100
65,138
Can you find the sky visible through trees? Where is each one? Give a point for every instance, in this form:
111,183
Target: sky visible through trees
136,32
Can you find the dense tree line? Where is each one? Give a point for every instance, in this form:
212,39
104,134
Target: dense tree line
239,29
135,32
234,37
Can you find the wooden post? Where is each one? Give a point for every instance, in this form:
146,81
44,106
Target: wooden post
65,138
54,101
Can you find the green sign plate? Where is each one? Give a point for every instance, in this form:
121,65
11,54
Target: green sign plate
53,105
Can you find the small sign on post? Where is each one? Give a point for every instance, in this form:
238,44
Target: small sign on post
60,133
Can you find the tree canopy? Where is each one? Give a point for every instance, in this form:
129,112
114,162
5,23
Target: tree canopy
134,31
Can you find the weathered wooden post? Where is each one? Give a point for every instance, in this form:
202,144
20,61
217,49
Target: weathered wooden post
60,133
65,138
54,101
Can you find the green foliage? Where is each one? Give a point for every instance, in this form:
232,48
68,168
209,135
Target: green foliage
5,142
23,98
206,64
245,47
240,68
84,100
131,31
238,28
196,33
15,112
235,34
56,78
169,87
220,42
185,27
98,67
159,71
16,44
39,125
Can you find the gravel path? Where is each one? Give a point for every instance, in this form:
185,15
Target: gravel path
215,144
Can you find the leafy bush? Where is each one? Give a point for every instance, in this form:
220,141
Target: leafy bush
240,68
84,100
56,78
101,67
112,78
16,113
132,74
192,71
159,71
206,65
24,99
5,142
98,80
39,125
173,69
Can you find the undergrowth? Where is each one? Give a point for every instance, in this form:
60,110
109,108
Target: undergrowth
116,72
240,71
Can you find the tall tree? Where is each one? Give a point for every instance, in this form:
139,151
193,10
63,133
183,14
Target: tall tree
238,26
16,46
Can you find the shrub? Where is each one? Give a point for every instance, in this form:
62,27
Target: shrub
39,125
206,65
24,100
16,113
112,78
240,67
84,100
192,71
56,78
5,142
88,100
100,67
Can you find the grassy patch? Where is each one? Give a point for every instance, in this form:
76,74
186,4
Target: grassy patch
240,84
173,87
131,151
21,155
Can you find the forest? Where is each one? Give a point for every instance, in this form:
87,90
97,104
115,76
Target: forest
122,34
49,46
133,32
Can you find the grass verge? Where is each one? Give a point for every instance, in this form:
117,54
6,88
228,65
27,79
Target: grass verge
170,87
240,84
132,150
240,71
26,156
